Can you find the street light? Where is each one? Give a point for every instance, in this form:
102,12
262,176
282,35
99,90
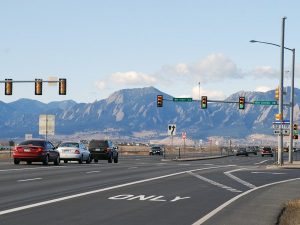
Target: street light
291,97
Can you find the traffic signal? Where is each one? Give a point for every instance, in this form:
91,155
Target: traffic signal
159,101
204,102
8,86
278,116
277,93
295,131
62,89
241,102
38,87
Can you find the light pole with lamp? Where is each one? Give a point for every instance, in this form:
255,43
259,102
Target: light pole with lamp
291,102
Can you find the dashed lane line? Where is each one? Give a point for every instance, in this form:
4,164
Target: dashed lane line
31,179
262,162
214,183
51,201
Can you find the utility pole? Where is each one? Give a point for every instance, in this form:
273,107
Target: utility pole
280,137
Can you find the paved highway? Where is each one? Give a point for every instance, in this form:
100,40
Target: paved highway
145,190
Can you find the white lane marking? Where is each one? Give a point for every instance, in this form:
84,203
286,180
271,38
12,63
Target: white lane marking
184,164
7,211
214,183
161,164
262,162
224,205
267,173
228,173
95,171
32,179
36,168
208,164
134,167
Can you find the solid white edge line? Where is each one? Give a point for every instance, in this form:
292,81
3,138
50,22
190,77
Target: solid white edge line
101,190
218,209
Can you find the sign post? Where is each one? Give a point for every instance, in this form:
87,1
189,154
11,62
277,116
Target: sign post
46,125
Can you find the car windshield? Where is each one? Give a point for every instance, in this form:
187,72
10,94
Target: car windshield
33,143
155,148
69,144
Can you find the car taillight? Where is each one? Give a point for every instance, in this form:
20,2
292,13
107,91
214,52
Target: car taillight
39,149
17,149
77,151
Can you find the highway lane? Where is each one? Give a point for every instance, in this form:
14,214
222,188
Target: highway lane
136,190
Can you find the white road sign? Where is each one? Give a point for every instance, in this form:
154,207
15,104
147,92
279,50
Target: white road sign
172,129
46,124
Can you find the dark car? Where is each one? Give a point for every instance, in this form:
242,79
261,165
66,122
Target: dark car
241,151
156,150
103,150
36,151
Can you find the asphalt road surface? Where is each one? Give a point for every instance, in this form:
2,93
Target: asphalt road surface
145,190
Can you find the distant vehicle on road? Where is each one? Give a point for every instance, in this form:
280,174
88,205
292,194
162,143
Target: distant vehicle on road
241,151
156,150
36,150
266,151
103,150
251,150
74,151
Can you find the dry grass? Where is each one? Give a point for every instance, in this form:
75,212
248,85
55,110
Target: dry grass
4,155
290,213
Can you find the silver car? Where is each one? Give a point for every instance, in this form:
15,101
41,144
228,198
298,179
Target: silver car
74,151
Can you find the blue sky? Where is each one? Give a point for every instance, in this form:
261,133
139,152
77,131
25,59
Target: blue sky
104,46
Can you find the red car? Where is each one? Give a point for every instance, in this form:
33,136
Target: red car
36,151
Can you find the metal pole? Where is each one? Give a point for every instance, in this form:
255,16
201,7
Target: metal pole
280,137
292,109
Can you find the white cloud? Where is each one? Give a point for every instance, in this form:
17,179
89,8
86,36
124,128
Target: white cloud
211,94
264,72
132,78
215,67
263,88
101,85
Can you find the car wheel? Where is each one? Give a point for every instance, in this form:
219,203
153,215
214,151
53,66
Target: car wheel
16,161
116,160
272,155
95,160
28,162
57,161
88,161
110,159
80,160
65,161
46,160
262,155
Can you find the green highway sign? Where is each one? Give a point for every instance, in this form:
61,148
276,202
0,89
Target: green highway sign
182,99
265,102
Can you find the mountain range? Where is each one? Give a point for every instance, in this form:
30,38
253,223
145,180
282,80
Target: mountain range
133,113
